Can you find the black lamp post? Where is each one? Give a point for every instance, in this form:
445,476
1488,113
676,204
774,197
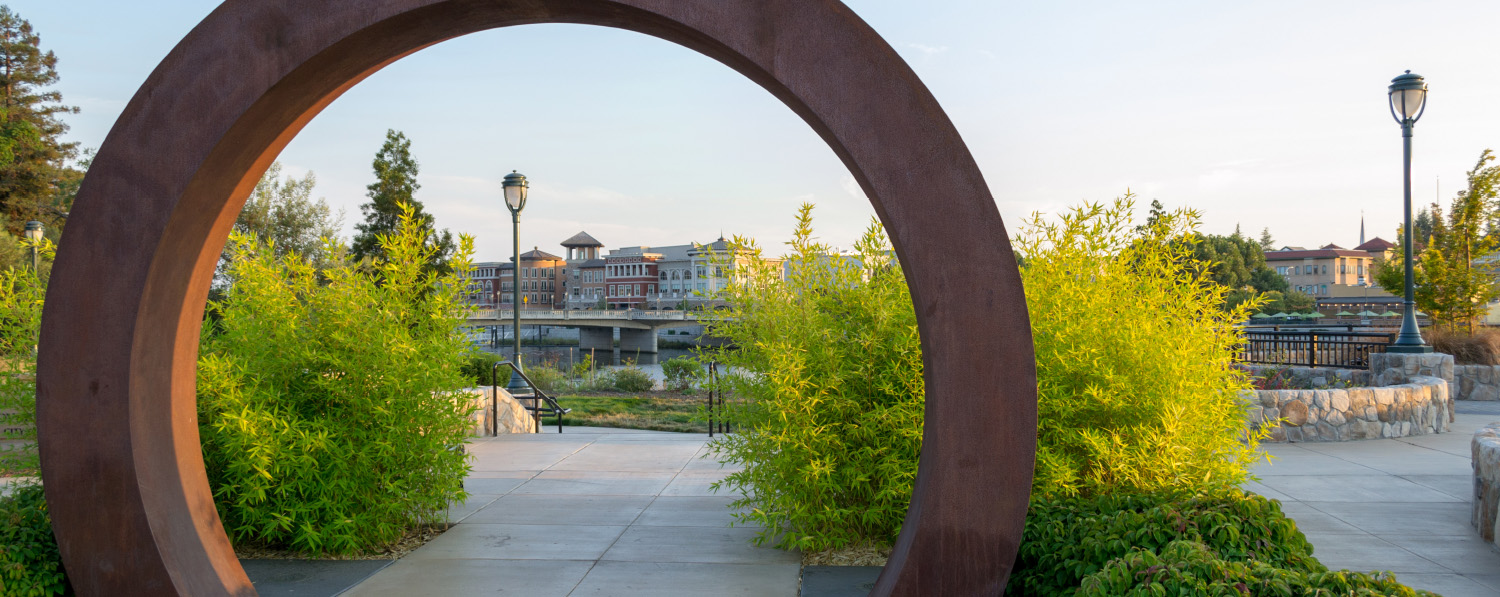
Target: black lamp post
1408,95
515,200
34,234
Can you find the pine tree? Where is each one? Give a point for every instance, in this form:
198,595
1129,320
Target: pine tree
1266,242
35,180
395,184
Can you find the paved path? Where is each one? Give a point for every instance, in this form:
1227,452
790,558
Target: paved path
1392,504
591,512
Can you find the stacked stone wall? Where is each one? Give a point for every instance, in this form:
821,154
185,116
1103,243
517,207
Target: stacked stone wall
1420,407
1476,382
1486,460
1313,377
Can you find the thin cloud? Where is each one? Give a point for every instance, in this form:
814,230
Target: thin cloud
926,49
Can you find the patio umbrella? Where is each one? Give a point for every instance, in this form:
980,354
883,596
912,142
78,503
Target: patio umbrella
1346,314
1368,313
1259,316
1314,314
1282,314
1390,314
1421,314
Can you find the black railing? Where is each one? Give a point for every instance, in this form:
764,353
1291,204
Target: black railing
540,401
716,402
1346,350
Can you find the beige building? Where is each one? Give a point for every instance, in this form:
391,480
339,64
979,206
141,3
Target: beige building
1331,271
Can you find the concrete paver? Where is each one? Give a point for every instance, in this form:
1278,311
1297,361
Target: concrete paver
1401,505
592,512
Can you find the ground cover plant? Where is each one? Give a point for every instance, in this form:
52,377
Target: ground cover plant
329,401
30,565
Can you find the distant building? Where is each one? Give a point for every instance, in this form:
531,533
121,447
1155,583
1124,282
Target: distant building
1325,272
1377,247
630,275
584,284
484,284
540,275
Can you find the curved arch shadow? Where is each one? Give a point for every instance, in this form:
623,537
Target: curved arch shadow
117,418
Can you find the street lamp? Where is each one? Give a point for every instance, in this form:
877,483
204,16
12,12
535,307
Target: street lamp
34,234
1408,95
515,200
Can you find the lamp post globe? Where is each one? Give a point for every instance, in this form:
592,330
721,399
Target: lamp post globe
1408,100
515,187
34,235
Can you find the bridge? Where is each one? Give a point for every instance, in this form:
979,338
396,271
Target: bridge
596,327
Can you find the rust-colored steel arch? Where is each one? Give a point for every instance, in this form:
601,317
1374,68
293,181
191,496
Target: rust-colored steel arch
117,416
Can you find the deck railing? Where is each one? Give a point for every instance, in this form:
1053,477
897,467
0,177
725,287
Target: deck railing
1346,350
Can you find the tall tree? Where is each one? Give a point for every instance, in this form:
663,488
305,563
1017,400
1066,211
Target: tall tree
283,212
396,184
1266,242
34,169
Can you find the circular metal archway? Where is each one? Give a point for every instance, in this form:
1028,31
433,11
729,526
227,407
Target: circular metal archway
117,418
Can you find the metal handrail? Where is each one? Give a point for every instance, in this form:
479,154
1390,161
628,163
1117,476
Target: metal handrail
537,396
715,388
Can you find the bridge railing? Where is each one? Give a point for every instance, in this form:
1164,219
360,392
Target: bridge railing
597,314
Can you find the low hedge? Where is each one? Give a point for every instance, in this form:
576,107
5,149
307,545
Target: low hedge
1225,542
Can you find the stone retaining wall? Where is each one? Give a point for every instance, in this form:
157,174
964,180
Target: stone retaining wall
1420,407
1486,459
1476,382
1313,377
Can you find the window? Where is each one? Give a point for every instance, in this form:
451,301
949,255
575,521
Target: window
635,290
1325,270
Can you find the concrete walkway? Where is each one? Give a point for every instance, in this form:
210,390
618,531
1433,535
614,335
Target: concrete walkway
620,512
591,512
1392,504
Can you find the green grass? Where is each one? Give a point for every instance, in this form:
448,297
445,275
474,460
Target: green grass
639,411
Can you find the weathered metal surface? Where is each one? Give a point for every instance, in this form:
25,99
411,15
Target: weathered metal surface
117,415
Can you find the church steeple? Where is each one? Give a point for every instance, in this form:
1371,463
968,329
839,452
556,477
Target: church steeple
1361,227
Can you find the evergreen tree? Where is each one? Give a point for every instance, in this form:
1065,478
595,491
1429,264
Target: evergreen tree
1266,242
36,182
395,184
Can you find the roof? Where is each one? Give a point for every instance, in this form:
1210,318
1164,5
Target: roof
1376,245
582,239
539,255
1331,246
673,252
1313,254
592,263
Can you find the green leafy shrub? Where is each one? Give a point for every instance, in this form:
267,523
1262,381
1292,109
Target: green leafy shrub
1192,568
480,367
1136,388
830,421
682,373
21,295
1069,538
328,402
548,378
631,378
30,564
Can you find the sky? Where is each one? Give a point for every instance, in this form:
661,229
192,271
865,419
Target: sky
1268,114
